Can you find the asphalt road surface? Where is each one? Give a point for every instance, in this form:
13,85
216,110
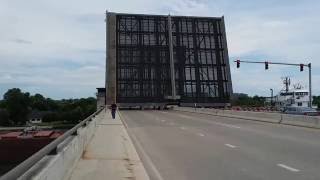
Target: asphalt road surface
188,146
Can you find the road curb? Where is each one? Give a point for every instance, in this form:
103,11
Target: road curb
134,143
147,162
121,119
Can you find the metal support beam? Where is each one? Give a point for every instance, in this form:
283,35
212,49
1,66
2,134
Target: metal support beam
226,55
172,73
111,61
106,65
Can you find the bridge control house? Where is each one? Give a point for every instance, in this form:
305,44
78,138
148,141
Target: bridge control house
155,60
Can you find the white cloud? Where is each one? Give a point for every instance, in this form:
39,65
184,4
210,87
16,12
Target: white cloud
59,45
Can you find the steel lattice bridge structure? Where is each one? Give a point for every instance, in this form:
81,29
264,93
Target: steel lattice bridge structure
158,60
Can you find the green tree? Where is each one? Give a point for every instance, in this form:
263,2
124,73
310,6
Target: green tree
38,102
2,104
17,104
4,118
52,104
258,100
245,100
50,117
73,116
316,101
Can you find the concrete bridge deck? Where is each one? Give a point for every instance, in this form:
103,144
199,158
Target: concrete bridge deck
110,154
185,143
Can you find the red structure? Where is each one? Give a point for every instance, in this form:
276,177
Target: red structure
15,147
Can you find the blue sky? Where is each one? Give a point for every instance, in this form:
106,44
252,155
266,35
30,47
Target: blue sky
57,48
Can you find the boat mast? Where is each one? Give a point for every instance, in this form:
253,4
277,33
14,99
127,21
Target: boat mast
286,82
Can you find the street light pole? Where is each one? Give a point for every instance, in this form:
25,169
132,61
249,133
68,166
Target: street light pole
271,96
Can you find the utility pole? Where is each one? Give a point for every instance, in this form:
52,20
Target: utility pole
266,63
310,86
287,83
271,95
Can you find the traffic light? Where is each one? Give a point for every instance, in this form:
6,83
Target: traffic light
238,63
266,65
301,67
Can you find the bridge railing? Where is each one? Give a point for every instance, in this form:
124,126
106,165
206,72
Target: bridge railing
51,148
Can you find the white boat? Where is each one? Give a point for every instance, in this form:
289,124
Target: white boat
292,97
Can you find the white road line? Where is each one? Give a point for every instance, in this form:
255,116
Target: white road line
230,146
183,128
163,120
218,123
227,125
288,168
200,134
163,112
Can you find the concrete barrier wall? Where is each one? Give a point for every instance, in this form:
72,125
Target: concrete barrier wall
262,116
297,120
60,165
254,114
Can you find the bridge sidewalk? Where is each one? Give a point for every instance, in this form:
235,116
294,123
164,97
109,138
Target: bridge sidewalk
110,154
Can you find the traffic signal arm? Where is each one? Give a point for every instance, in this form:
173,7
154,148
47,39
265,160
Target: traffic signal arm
266,63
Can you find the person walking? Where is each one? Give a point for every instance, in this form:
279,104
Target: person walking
113,110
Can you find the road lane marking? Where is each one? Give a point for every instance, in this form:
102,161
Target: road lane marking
163,120
230,146
183,128
163,112
227,125
288,168
218,123
200,134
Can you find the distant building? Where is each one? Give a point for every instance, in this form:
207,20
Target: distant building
101,96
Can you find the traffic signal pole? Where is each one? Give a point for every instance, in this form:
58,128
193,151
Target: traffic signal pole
310,88
286,64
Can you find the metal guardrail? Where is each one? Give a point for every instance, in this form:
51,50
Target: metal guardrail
23,167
